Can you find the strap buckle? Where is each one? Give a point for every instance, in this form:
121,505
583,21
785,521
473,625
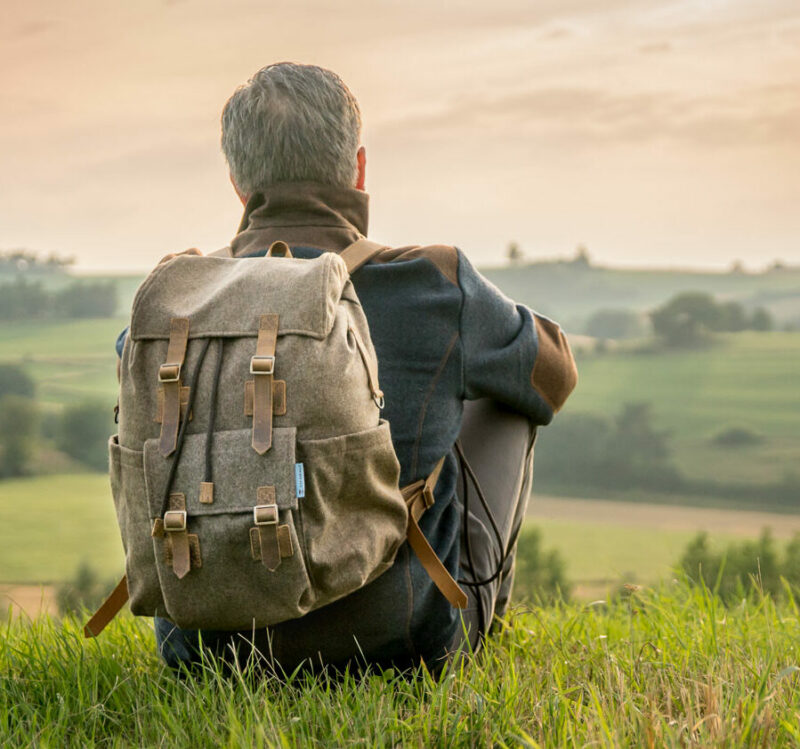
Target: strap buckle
169,372
265,514
175,521
262,365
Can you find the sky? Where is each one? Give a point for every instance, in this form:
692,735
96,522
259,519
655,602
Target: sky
654,132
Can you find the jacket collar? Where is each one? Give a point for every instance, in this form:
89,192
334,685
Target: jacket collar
308,214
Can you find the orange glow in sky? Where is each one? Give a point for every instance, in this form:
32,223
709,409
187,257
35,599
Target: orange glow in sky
656,132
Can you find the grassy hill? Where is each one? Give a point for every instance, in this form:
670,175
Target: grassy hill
657,668
570,292
746,380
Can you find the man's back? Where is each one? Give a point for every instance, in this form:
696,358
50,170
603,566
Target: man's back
442,333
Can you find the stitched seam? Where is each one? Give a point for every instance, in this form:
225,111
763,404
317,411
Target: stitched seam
423,411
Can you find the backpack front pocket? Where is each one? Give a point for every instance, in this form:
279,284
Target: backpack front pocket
227,551
353,514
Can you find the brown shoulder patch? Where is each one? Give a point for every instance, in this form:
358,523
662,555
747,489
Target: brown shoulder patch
554,373
444,257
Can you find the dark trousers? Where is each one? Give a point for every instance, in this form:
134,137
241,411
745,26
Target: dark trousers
498,446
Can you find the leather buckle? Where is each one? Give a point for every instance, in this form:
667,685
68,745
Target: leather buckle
265,514
262,365
175,521
427,497
169,372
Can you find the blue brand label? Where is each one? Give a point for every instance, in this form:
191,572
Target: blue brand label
299,480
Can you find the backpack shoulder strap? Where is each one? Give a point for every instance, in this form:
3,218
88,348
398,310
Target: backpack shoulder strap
360,253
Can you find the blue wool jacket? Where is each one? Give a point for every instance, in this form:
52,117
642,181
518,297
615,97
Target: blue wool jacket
442,334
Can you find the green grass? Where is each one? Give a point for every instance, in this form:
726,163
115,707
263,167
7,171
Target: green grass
668,668
71,360
49,524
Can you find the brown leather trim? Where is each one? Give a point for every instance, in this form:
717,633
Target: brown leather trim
359,253
284,543
206,496
444,257
262,383
279,249
554,375
195,559
171,410
419,497
108,610
278,397
160,404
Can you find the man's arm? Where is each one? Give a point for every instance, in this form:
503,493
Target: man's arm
511,354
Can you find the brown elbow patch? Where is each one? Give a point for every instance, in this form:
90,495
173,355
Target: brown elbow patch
444,257
554,373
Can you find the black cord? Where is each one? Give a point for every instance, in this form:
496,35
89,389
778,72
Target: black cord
182,432
504,552
212,414
467,541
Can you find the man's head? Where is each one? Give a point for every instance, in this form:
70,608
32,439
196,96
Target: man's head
292,123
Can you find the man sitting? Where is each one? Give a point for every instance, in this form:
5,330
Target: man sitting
443,334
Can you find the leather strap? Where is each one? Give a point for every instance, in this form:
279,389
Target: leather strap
371,365
178,536
262,367
169,375
279,249
360,253
265,516
419,497
108,609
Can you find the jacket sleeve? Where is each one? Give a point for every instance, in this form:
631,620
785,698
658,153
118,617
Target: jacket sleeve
510,353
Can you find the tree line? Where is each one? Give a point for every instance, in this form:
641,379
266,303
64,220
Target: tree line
22,299
79,431
688,319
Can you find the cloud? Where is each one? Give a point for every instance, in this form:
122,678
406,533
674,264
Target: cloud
655,48
766,115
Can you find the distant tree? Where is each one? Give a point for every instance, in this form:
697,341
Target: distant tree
87,299
18,423
539,575
614,323
514,253
761,320
581,259
14,380
23,300
731,318
83,431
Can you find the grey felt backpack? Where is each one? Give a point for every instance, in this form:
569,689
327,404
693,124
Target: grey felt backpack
253,477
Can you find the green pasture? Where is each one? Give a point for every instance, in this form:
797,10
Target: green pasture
50,524
71,360
749,380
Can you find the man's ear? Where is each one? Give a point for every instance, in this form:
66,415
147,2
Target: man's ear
361,160
239,193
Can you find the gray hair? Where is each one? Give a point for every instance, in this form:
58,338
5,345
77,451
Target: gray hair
291,123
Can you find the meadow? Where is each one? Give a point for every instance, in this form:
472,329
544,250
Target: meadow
656,668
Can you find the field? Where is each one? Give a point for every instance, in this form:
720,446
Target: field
660,668
746,380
